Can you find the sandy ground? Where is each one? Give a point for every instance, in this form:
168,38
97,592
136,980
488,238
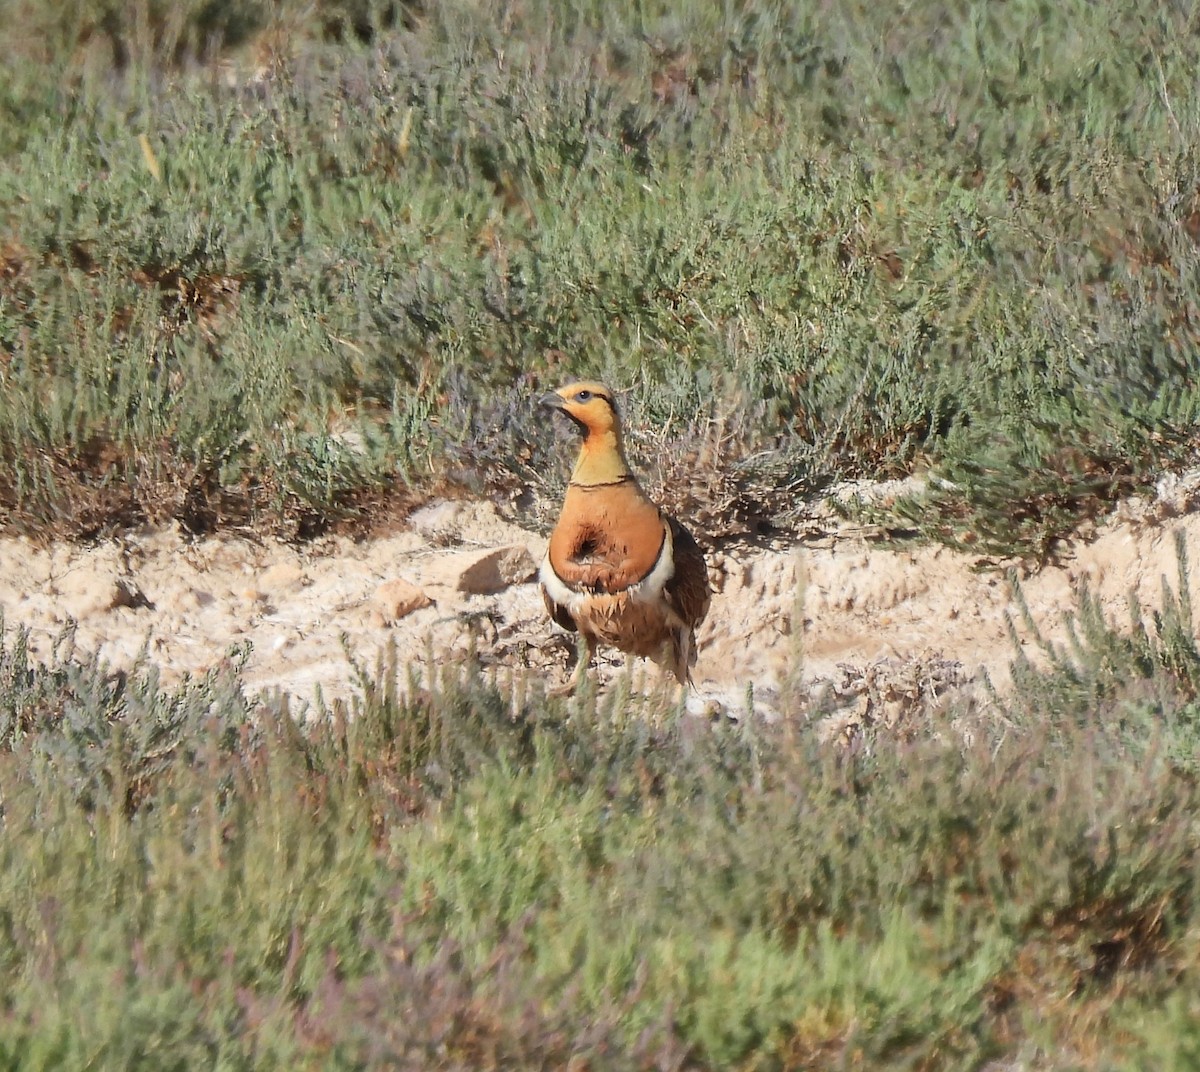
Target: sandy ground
826,609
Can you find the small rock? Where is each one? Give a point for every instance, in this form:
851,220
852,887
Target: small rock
128,594
708,707
282,577
84,593
185,601
481,573
497,570
397,598
352,439
437,518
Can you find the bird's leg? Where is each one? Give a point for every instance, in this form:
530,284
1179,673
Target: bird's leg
586,650
676,665
674,688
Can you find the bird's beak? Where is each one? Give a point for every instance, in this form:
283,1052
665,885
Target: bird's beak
552,400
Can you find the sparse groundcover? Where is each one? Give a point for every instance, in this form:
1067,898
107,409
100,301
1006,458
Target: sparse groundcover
448,875
298,264
282,264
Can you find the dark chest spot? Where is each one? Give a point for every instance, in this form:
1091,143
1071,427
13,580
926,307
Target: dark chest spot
591,545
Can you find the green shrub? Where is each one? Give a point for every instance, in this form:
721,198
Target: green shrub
444,873
873,244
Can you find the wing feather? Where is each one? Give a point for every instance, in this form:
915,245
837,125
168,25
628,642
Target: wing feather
688,592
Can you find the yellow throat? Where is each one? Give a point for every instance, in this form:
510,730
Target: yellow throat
601,459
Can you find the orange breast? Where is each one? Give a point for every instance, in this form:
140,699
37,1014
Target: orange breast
607,538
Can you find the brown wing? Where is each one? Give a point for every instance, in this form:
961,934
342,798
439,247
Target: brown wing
688,592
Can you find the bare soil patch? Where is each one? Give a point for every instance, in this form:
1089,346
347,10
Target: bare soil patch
834,610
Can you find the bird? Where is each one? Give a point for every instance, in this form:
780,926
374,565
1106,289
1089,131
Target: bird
618,570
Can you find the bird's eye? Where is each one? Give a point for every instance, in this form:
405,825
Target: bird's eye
583,396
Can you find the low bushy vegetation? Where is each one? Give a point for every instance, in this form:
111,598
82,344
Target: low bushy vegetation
293,262
451,874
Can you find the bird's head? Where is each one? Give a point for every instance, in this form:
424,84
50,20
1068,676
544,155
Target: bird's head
591,407
589,404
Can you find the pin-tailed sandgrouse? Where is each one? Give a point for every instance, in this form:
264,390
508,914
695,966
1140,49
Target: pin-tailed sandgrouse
618,570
